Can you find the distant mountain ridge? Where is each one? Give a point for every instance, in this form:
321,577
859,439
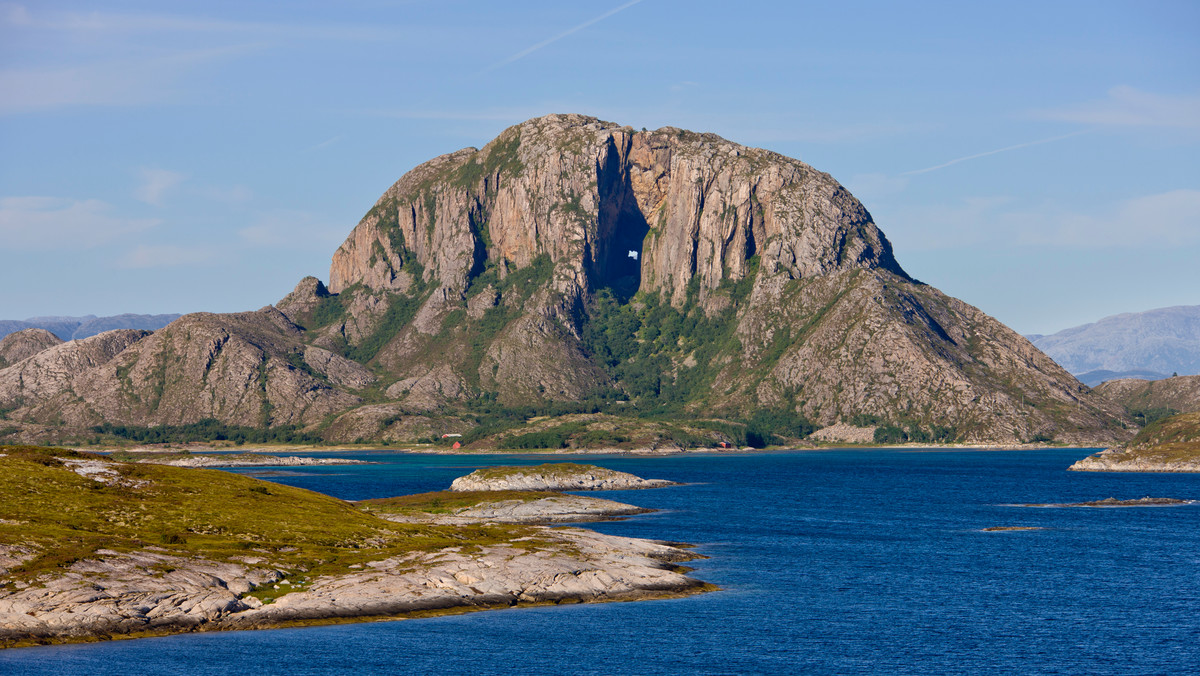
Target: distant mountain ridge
74,328
1152,344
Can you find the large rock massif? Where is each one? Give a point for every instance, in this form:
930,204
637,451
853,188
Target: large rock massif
572,258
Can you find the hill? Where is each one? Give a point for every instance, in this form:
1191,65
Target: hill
1150,400
576,266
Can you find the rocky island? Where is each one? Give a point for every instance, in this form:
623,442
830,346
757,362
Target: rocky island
563,476
94,548
236,460
499,506
1117,502
1168,445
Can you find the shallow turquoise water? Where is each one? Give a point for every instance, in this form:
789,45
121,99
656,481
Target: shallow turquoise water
830,562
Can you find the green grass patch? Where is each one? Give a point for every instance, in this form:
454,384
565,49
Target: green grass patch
447,502
211,514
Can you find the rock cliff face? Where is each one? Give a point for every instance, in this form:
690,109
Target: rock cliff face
571,259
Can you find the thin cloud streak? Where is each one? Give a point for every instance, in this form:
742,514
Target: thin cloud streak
1129,107
997,151
526,52
121,24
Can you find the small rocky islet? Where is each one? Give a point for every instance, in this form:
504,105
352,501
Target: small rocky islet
95,548
1116,502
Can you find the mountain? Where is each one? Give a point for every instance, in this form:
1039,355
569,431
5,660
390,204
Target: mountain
1150,344
574,265
74,328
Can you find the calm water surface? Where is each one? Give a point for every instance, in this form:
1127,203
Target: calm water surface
830,562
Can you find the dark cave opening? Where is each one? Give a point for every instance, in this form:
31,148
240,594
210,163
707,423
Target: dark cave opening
622,230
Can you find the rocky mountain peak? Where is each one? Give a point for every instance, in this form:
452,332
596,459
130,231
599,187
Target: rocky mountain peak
611,208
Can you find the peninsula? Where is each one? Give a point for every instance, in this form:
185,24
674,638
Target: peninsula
1167,445
94,548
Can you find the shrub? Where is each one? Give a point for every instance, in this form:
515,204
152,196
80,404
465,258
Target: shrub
890,434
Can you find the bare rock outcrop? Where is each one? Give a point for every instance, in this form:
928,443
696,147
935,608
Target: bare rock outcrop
552,508
572,259
147,591
1123,460
53,373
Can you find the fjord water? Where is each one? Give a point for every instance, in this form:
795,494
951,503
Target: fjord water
829,562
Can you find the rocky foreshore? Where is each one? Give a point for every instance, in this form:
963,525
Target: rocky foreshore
246,460
121,594
549,509
77,563
553,477
1120,460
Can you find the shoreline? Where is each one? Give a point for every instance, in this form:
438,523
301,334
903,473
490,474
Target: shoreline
108,597
630,597
204,448
274,556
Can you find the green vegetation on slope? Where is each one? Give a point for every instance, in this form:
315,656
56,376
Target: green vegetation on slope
447,502
1149,416
208,430
65,517
668,358
1183,429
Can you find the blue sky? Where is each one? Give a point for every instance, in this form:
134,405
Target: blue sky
1038,160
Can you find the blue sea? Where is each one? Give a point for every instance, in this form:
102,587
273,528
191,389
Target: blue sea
829,562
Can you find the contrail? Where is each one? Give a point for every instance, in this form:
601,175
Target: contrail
526,52
1001,150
